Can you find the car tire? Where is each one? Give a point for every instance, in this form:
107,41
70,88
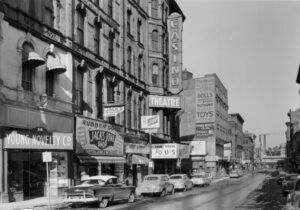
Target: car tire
131,198
163,193
103,203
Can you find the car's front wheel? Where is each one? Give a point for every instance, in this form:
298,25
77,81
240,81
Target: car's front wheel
103,203
131,197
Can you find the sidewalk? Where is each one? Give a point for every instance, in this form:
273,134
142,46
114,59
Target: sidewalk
42,202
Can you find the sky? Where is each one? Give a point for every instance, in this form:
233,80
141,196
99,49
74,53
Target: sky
254,48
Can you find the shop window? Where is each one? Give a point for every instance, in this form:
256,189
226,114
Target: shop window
155,74
154,40
154,7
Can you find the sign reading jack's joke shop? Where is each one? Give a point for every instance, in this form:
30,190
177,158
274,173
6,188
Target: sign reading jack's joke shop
94,137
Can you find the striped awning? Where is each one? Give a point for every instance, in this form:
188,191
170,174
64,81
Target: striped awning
54,64
139,160
100,159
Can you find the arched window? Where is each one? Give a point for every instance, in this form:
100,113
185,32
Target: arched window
155,74
154,6
154,40
129,60
80,26
27,68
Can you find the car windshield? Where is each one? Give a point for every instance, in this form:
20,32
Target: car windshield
176,177
92,181
290,178
151,178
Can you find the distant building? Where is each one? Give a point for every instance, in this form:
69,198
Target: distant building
204,121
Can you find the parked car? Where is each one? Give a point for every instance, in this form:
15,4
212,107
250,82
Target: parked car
181,182
99,189
234,174
293,198
156,184
288,183
201,179
240,172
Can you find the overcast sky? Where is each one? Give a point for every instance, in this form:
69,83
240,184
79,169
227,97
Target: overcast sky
254,48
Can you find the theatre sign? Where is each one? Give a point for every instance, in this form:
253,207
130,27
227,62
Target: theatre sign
175,52
164,101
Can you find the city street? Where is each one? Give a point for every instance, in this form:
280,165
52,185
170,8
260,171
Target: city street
230,194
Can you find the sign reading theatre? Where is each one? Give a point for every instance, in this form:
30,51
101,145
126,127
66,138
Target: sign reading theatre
175,52
95,137
164,101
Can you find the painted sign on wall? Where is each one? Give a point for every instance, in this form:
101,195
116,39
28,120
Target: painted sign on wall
38,138
175,52
204,129
95,137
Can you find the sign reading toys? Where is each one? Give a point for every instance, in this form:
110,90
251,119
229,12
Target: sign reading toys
95,137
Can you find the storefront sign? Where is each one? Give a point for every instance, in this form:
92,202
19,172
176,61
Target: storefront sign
38,139
95,137
211,158
112,111
164,101
137,148
150,122
198,147
175,52
204,129
205,101
47,156
170,151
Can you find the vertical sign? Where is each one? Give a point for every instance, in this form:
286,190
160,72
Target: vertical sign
175,52
205,106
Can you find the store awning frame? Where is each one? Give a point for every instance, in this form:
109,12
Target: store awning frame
54,65
89,159
139,160
33,58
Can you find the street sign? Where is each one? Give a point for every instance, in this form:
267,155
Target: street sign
47,157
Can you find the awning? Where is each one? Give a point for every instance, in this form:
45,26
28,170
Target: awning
100,159
54,64
32,58
139,160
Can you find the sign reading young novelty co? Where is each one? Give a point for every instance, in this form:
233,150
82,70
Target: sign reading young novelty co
95,137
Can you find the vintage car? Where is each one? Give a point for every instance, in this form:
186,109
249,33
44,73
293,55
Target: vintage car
99,189
156,184
181,182
234,174
201,179
288,183
293,198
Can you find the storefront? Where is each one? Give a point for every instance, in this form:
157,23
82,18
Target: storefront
168,157
99,148
25,172
137,164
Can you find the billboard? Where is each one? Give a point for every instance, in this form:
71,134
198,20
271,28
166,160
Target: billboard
170,151
150,122
175,52
95,137
164,101
198,148
204,129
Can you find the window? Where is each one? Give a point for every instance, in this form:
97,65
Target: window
48,13
155,74
154,40
163,43
99,101
78,91
134,113
111,98
111,48
140,63
129,110
154,8
97,39
140,102
110,8
80,27
27,68
128,22
139,26
129,61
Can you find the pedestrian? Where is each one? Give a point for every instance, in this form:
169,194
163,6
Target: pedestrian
84,175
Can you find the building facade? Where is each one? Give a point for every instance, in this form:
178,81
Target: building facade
75,80
204,121
248,149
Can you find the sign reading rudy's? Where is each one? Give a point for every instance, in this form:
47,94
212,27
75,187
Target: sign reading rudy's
95,137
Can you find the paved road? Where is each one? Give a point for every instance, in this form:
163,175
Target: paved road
226,196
